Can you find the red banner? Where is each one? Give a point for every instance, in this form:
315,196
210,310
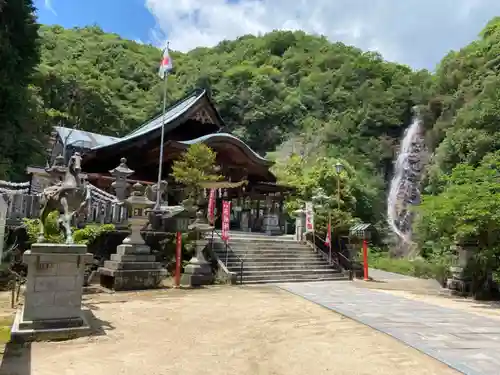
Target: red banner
211,207
226,217
178,260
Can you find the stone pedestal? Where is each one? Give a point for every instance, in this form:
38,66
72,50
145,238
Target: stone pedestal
271,224
53,297
300,225
459,283
198,272
245,221
131,268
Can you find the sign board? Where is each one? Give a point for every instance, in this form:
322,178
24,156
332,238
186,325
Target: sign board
309,217
3,222
226,217
211,207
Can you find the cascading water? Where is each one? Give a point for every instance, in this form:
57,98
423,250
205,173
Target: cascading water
404,189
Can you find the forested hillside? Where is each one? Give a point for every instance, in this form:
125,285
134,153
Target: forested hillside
462,203
286,94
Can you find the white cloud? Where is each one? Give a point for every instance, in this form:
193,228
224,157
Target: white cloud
48,5
415,32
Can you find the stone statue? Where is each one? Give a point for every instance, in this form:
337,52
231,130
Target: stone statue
68,196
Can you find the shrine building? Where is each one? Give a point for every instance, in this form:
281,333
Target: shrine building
257,201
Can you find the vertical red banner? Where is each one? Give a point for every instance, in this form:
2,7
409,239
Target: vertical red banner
211,206
178,251
226,217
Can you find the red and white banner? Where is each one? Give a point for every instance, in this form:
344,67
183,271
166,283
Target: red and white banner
309,217
211,206
226,217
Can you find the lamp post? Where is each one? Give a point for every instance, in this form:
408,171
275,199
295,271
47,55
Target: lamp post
339,168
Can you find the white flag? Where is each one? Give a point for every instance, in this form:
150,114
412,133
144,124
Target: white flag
166,64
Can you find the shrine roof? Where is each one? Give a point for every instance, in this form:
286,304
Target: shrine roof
171,114
226,137
83,138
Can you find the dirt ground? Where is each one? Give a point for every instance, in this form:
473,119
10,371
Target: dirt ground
220,330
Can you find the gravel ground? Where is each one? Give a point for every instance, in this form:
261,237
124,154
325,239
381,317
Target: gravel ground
221,330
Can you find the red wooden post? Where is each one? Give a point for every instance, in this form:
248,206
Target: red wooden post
365,260
178,250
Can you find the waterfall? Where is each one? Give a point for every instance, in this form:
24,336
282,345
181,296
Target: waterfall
404,189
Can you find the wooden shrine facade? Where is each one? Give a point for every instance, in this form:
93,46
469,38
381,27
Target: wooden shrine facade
257,204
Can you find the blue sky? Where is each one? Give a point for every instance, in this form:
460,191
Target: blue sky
129,18
414,32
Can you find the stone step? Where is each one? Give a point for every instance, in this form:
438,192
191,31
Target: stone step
287,272
269,258
291,264
339,277
269,247
281,267
277,255
280,277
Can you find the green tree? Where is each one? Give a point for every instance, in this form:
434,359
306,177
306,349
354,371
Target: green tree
18,109
194,167
467,210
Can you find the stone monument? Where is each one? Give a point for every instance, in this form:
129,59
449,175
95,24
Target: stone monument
459,282
300,225
133,267
198,271
53,298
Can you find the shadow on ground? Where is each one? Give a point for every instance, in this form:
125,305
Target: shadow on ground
99,326
16,359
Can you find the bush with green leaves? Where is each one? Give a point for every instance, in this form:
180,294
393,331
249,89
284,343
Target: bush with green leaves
82,236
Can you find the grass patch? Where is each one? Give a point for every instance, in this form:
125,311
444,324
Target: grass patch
417,268
5,325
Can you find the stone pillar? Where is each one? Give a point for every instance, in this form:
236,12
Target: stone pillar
53,297
300,225
458,282
198,271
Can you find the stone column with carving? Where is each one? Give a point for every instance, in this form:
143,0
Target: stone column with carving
198,271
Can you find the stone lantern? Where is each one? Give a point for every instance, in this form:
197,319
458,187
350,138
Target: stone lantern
137,204
133,266
121,173
57,170
198,271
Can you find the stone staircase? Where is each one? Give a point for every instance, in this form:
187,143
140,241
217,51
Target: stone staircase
274,259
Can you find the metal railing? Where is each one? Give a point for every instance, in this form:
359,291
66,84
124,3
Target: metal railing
338,259
228,248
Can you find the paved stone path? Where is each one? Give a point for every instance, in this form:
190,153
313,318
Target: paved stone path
467,342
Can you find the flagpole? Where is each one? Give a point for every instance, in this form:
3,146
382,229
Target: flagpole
160,161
